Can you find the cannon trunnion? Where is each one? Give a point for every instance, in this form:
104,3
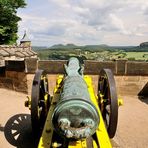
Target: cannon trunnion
74,116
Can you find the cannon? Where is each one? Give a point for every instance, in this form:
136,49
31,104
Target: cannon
74,116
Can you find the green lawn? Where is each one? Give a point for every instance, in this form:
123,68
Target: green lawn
137,55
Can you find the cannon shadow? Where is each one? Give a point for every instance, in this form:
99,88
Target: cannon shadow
18,131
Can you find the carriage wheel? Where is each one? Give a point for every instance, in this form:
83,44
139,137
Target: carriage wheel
107,97
39,102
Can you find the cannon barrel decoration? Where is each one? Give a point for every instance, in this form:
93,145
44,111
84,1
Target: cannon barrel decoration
74,116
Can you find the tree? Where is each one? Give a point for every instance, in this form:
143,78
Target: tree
9,20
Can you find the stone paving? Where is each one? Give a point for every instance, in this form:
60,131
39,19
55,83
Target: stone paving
15,129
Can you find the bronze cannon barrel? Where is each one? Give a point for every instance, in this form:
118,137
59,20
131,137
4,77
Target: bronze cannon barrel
75,116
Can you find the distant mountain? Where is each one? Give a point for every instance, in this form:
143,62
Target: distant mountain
39,47
144,44
143,47
67,46
57,46
73,46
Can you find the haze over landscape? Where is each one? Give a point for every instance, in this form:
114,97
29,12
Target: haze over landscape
84,22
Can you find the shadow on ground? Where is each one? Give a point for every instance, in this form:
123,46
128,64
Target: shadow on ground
143,99
143,94
18,131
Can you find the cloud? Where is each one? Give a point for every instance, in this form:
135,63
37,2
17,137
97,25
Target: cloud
85,21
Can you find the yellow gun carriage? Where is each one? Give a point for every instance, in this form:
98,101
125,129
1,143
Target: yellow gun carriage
74,117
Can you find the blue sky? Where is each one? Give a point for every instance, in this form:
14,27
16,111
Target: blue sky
49,22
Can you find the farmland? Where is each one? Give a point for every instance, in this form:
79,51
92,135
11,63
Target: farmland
94,52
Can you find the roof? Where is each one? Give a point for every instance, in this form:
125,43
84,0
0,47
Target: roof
3,53
25,38
16,50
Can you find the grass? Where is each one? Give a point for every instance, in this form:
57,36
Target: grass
137,55
91,55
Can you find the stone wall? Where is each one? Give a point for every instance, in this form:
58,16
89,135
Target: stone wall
130,85
13,76
18,75
14,80
126,85
119,67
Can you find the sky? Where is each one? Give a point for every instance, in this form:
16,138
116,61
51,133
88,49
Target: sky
83,22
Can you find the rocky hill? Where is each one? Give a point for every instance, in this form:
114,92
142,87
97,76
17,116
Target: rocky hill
144,44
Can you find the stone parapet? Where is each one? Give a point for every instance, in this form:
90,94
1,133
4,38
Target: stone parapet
14,80
130,76
52,66
137,68
121,66
31,65
94,67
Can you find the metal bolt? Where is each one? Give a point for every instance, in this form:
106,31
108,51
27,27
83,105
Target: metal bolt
87,132
68,134
64,123
89,122
48,130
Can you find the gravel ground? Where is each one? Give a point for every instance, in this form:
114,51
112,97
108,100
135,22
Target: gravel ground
15,130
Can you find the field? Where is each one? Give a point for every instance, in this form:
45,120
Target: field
53,54
137,55
93,52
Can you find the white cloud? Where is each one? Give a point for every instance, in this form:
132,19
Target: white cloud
85,21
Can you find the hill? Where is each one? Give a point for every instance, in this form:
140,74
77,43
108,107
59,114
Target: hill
144,45
67,46
94,52
35,48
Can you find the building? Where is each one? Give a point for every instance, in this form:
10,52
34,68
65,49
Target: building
17,52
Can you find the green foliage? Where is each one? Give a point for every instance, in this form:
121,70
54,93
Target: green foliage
9,20
94,52
101,55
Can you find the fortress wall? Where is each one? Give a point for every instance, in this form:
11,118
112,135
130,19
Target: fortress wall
51,66
137,68
14,77
14,80
94,67
130,85
126,85
130,76
31,65
119,67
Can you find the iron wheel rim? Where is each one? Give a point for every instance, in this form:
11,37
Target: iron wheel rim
109,106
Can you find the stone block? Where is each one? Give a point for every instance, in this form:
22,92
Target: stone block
31,65
18,66
121,67
131,79
2,63
137,68
52,66
20,86
22,76
6,83
12,74
94,67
